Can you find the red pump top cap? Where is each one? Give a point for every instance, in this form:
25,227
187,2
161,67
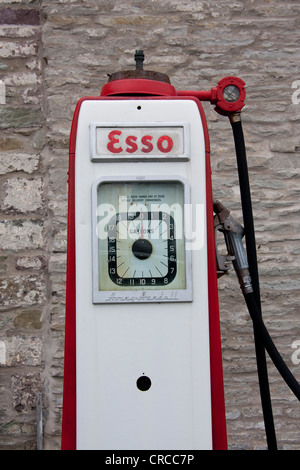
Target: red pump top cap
137,86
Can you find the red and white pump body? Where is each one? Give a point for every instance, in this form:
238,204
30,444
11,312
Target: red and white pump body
143,367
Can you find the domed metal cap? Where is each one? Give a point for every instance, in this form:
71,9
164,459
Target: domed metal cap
139,71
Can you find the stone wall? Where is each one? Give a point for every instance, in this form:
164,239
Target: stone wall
54,52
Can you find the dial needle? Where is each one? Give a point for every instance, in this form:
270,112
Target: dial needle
142,231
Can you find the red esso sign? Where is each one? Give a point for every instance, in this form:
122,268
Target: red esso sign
145,144
152,140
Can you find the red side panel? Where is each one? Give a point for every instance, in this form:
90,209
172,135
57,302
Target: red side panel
69,397
216,367
68,440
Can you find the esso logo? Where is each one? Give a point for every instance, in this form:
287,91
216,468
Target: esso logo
119,143
138,140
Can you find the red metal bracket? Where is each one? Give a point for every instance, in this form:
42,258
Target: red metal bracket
216,95
226,103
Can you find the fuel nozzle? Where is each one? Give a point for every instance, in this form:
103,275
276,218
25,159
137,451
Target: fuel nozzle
233,233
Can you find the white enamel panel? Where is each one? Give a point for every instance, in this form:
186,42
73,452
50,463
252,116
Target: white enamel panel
118,343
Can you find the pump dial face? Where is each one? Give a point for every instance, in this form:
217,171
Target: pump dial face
142,249
140,235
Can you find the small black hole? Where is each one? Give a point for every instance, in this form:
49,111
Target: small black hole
139,107
143,383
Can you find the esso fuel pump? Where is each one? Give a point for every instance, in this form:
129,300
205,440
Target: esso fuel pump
143,366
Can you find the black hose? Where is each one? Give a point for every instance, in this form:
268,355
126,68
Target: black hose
263,333
246,206
245,192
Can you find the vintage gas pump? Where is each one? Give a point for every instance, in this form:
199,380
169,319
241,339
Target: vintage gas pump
143,367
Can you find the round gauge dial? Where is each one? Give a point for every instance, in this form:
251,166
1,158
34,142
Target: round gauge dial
141,244
231,93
